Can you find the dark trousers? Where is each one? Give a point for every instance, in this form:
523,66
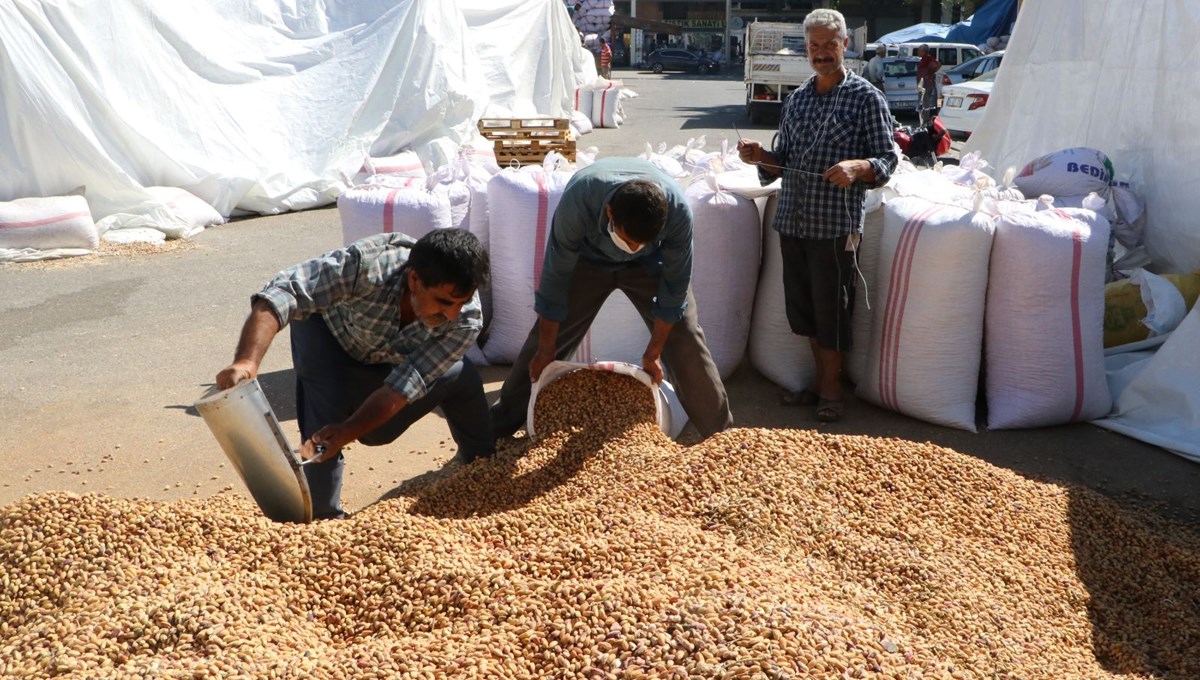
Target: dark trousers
331,385
685,357
818,289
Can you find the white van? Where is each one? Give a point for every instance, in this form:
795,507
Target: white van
949,54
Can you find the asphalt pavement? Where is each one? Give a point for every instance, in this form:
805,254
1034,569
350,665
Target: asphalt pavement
101,359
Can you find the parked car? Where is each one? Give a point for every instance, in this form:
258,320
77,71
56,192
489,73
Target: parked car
964,104
670,59
900,83
969,70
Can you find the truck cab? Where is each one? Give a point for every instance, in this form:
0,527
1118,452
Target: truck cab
776,64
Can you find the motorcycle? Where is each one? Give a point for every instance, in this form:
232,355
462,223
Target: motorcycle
924,145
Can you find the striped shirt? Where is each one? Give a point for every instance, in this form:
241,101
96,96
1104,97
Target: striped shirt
358,290
817,131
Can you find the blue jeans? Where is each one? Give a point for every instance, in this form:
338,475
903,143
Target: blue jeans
331,385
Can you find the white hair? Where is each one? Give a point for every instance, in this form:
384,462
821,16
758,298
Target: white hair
826,18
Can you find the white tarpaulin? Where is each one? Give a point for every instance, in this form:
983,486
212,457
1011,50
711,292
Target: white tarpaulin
1115,76
530,54
1160,403
254,105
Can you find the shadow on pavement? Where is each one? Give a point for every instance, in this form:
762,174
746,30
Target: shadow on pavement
1143,581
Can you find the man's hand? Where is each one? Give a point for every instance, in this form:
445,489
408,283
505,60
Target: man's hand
323,445
847,172
750,151
236,373
540,361
652,366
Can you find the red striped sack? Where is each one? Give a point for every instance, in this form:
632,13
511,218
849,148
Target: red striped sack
606,110
48,222
521,205
403,205
1045,318
926,344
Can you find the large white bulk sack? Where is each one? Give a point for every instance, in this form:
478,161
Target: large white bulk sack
393,204
1068,172
606,102
521,205
907,181
779,355
726,254
866,290
1045,318
47,223
924,356
618,333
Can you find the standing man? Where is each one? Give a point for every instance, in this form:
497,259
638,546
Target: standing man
874,69
605,59
926,68
834,142
621,224
378,332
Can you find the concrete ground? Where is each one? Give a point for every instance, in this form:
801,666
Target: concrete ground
102,357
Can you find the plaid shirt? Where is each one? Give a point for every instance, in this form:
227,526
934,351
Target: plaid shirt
358,290
817,131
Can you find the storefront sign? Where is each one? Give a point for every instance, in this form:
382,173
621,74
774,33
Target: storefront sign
714,24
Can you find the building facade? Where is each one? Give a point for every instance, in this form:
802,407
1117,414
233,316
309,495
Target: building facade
704,27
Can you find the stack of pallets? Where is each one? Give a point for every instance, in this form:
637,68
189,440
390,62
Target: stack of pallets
528,140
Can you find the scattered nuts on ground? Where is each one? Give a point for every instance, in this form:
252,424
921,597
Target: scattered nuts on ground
605,550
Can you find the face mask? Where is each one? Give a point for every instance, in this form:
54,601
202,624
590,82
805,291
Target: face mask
621,243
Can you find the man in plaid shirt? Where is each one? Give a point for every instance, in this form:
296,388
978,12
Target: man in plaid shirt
378,331
834,142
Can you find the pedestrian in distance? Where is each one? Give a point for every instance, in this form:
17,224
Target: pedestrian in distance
378,332
927,83
873,71
621,224
834,142
605,59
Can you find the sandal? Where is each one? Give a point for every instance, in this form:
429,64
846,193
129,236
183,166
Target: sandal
805,397
830,410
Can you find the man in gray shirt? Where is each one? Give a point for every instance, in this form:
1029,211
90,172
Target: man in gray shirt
621,224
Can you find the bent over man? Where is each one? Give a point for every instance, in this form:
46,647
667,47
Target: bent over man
621,224
378,332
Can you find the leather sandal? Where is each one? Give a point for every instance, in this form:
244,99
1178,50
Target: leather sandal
830,410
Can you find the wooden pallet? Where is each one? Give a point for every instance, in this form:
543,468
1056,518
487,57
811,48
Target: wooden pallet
532,150
528,140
